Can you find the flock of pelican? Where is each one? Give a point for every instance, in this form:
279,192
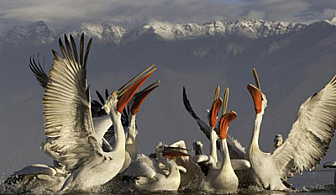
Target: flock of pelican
93,143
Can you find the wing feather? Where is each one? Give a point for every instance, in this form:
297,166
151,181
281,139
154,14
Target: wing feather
236,150
38,70
311,133
67,111
205,128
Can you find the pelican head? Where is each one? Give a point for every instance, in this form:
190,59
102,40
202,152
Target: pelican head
259,99
224,122
217,104
170,152
120,98
110,101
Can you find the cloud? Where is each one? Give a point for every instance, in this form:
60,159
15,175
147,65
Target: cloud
329,13
130,12
255,14
305,11
120,11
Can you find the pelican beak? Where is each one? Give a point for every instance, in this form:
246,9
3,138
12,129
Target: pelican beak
224,122
170,154
141,96
256,96
126,92
214,111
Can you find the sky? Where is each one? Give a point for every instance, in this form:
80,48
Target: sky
130,13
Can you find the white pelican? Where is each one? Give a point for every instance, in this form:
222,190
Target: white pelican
101,120
203,161
305,145
128,121
37,177
331,164
211,132
68,122
237,151
224,179
147,174
192,178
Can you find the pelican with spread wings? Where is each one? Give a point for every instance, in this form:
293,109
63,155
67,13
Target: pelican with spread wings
72,140
306,144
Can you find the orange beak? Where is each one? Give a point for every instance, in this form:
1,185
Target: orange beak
172,154
256,96
125,95
224,122
141,96
214,111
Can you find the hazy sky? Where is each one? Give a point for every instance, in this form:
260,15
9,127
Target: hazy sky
131,13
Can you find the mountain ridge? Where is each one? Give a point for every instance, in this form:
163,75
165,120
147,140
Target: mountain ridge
39,33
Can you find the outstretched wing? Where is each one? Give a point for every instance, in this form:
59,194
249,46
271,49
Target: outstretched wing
40,75
68,122
205,128
311,133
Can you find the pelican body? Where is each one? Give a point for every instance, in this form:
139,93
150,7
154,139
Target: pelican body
306,144
223,178
147,174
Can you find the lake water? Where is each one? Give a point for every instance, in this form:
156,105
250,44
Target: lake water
315,182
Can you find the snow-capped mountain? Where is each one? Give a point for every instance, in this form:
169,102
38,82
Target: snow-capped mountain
244,28
101,32
39,33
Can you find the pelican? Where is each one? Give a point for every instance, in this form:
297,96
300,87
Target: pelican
237,151
68,121
305,145
129,123
211,132
193,176
224,179
37,177
203,161
147,174
331,164
101,120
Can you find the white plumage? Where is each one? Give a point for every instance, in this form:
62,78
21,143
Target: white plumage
148,174
68,122
307,142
